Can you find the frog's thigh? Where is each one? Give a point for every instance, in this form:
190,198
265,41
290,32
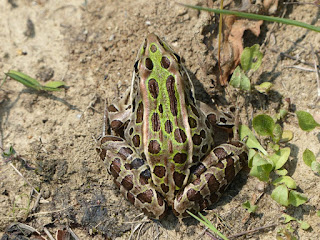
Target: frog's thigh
216,117
212,177
132,175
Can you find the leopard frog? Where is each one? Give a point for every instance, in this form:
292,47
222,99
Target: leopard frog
160,148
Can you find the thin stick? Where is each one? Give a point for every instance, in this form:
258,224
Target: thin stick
48,233
316,70
219,45
251,231
26,180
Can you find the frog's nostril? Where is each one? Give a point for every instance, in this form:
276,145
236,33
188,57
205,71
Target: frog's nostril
149,64
165,62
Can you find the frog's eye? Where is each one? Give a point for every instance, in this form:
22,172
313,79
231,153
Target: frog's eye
149,64
177,57
136,66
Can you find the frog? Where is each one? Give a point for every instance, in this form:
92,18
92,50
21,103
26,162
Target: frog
159,146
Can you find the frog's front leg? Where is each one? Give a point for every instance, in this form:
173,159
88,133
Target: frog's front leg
132,176
211,178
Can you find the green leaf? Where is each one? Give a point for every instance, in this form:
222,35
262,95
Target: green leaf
240,80
251,142
308,157
288,181
315,166
264,87
287,136
304,225
288,218
280,195
296,198
281,172
280,157
306,121
55,84
277,133
263,124
7,153
282,113
24,79
318,213
261,168
251,58
251,208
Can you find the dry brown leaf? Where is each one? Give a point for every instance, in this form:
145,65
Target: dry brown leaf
232,45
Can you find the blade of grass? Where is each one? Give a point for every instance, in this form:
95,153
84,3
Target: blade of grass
33,83
208,224
256,17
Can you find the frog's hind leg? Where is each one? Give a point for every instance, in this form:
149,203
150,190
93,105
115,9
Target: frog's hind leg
132,176
210,178
116,116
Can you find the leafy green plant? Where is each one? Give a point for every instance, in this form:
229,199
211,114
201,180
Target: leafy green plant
250,60
262,163
303,224
33,83
310,160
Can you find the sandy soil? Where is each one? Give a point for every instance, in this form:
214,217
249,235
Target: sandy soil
91,45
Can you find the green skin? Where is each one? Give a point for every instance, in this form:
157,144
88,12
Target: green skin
161,151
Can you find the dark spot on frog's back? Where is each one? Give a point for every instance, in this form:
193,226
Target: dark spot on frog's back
159,171
164,188
230,171
154,147
127,182
115,167
180,158
153,88
155,120
180,135
125,152
192,122
178,178
136,140
137,163
112,108
145,196
139,113
168,126
165,62
172,97
130,197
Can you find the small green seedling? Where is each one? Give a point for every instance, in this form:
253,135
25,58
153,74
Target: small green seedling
33,83
250,207
310,160
250,60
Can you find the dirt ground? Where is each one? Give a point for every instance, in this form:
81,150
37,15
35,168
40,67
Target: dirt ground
92,45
